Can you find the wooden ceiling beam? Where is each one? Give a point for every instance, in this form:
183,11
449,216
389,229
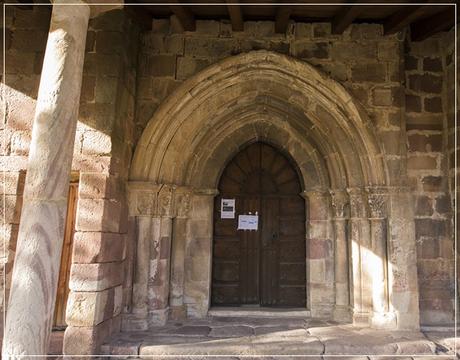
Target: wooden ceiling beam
282,18
185,16
403,18
344,18
236,16
442,21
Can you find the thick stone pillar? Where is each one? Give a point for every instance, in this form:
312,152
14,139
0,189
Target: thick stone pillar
41,232
377,201
359,250
341,255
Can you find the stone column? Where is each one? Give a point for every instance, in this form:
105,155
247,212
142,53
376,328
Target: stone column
41,232
160,251
341,255
358,247
320,260
176,296
377,201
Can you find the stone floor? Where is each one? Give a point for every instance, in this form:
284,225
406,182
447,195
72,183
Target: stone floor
226,337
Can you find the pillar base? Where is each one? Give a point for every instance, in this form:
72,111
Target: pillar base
342,313
361,318
178,312
158,317
134,322
383,320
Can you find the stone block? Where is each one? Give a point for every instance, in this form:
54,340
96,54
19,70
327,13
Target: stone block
17,62
160,26
29,41
113,20
106,89
89,308
90,338
443,205
96,143
423,206
12,183
88,88
366,31
20,143
303,31
382,96
99,186
95,277
317,271
10,209
432,64
372,72
433,105
109,42
411,62
433,183
427,83
422,162
321,30
432,228
425,143
102,64
308,50
413,103
36,19
162,87
98,215
388,50
259,28
161,65
97,247
350,51
210,47
207,27
319,248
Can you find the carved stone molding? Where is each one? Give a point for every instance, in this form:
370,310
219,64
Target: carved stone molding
377,199
339,200
166,201
314,194
357,203
183,198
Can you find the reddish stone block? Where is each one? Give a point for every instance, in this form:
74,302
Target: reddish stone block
421,163
425,143
413,103
423,206
433,183
426,83
319,248
89,338
433,105
432,64
97,247
98,215
95,277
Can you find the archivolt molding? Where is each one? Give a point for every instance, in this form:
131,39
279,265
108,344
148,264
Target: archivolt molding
294,97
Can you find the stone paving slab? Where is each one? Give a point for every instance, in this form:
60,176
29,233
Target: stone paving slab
239,338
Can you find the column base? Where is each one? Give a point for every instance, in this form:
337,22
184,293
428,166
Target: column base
158,317
361,318
383,320
134,322
342,313
178,312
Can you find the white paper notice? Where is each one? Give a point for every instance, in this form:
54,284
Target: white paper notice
227,209
248,222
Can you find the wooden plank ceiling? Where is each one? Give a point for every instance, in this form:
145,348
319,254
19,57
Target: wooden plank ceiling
424,19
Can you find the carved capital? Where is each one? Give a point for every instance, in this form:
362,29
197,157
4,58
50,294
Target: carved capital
339,200
183,198
377,201
166,201
314,194
357,203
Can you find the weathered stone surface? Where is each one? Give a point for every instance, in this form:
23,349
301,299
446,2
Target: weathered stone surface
97,247
95,277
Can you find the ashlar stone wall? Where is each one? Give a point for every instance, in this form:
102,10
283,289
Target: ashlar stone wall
429,74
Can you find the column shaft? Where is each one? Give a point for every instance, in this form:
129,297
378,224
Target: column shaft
36,268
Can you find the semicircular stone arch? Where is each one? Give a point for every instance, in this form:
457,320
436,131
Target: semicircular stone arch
313,105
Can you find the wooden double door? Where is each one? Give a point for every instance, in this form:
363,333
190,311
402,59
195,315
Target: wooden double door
266,266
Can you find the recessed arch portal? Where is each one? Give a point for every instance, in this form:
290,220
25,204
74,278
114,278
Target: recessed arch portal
264,97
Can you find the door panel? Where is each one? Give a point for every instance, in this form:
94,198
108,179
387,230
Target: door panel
264,267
